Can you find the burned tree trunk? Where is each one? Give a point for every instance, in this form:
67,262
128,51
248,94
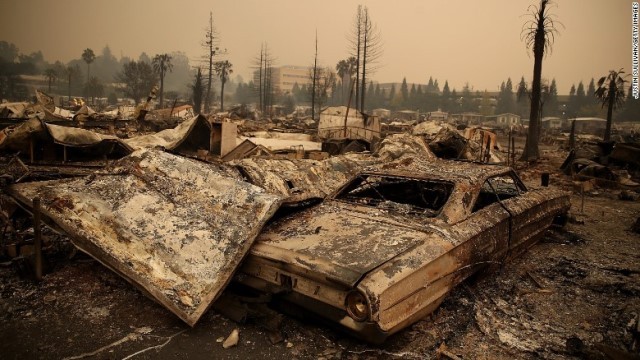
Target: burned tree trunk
538,35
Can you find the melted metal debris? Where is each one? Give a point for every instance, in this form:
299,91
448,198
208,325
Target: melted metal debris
397,146
171,139
298,180
19,138
175,227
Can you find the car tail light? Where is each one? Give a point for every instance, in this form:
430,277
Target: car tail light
357,306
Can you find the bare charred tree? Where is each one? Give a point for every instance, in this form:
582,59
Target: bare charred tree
314,80
323,80
260,78
264,68
610,92
326,81
538,34
358,49
211,43
268,83
370,51
366,48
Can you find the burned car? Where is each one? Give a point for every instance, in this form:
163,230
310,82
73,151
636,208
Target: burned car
386,248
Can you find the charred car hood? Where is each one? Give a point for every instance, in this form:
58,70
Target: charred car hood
341,241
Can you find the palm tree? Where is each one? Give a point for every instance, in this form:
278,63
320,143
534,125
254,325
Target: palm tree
538,34
610,92
88,56
223,69
342,67
162,64
51,76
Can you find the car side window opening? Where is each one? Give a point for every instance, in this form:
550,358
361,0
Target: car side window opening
498,188
398,194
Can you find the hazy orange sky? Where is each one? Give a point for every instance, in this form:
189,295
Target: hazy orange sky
459,41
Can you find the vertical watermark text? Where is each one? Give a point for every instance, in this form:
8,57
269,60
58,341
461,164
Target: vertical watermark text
634,49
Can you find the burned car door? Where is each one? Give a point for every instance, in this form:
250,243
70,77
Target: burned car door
532,211
497,190
529,212
484,235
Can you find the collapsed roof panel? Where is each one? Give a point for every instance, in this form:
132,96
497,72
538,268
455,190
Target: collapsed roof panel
275,144
20,138
14,110
70,136
175,227
196,131
246,149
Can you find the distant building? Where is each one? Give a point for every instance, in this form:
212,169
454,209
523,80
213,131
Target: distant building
335,123
590,125
504,120
437,116
283,78
182,111
467,118
407,115
551,122
381,113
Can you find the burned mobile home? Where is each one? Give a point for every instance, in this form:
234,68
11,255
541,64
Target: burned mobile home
42,142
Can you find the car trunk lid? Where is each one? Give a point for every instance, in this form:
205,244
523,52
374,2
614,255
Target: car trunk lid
342,241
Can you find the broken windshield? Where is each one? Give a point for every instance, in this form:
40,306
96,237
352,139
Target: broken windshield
399,194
